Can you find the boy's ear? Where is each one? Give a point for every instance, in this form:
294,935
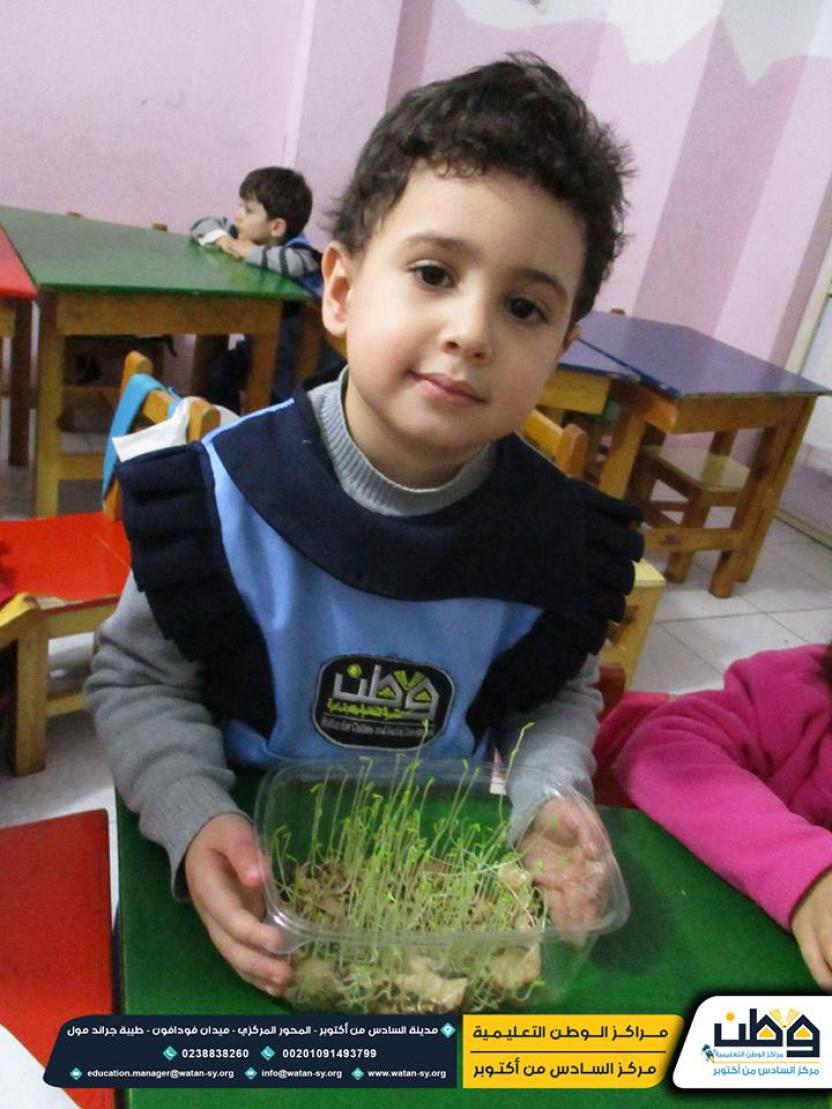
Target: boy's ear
337,268
278,228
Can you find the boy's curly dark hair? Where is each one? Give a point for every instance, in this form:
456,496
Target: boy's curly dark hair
283,193
516,115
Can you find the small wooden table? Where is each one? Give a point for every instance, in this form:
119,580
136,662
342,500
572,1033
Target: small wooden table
95,278
582,380
687,937
16,295
688,382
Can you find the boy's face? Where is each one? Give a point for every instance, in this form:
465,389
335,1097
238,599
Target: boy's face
253,224
455,314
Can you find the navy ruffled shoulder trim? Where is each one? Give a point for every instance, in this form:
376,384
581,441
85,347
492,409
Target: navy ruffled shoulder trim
178,561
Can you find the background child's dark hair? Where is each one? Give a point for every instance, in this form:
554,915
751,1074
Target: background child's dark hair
283,193
518,116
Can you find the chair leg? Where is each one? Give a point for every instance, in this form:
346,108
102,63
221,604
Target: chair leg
679,564
29,725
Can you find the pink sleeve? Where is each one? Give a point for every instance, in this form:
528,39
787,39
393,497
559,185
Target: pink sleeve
697,767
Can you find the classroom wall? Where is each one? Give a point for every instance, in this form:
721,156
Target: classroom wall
141,111
155,109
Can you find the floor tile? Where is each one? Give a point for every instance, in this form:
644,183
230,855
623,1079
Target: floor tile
690,600
778,585
813,626
667,664
76,776
814,558
722,640
783,535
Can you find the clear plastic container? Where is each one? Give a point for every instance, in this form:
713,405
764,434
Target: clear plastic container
396,891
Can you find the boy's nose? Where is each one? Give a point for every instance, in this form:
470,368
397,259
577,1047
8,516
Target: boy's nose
467,333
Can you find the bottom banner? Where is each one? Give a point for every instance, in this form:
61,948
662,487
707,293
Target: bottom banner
229,1051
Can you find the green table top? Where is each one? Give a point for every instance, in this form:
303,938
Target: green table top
65,254
689,935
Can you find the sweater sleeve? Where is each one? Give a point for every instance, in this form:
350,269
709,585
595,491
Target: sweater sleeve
295,262
210,228
555,752
698,766
165,752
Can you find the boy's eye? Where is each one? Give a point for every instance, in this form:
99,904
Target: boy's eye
432,275
523,309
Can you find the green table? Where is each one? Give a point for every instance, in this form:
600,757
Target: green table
689,935
95,278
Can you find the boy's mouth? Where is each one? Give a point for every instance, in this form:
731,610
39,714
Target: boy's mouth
449,389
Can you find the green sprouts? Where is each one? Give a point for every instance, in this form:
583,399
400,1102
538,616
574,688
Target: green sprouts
420,903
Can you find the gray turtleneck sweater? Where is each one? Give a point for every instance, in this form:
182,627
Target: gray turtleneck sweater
166,752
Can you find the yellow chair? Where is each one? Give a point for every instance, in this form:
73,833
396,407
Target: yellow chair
565,446
626,639
74,567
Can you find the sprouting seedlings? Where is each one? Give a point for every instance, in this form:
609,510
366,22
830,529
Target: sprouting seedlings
377,857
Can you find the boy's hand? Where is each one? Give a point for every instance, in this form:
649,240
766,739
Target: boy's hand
237,248
812,927
560,852
222,867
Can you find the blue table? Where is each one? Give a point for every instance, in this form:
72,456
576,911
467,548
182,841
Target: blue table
687,382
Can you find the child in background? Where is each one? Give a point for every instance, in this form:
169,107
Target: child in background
743,777
390,521
267,232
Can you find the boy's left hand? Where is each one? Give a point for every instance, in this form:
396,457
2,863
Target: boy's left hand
560,851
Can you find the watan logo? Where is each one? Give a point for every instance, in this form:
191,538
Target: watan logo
794,1034
367,701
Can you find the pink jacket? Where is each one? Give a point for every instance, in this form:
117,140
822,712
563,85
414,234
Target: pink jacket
743,775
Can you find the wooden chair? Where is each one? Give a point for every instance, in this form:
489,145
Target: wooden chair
567,448
705,477
75,567
626,639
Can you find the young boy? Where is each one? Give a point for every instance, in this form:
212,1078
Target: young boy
275,204
390,520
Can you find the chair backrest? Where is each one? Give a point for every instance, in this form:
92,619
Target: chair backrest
17,616
565,446
203,417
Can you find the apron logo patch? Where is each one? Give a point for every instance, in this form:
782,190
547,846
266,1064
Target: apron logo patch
367,701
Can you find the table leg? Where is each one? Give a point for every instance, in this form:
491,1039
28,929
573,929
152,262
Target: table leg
29,738
19,384
258,392
755,509
626,440
51,349
781,468
207,348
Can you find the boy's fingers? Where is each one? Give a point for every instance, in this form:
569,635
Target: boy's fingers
245,859
264,971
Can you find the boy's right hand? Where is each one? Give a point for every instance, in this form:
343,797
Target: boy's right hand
222,868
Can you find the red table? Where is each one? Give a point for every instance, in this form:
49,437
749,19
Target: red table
16,295
55,941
